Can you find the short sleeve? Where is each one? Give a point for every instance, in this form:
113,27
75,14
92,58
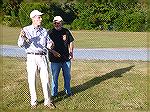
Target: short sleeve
49,42
70,37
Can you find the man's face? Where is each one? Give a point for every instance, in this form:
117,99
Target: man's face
37,20
57,24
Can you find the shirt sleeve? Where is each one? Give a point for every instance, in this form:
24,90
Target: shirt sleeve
71,39
20,41
50,43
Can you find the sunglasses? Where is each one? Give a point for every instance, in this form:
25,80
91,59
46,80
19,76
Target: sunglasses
56,23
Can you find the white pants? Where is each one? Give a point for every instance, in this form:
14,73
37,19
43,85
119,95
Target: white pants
34,61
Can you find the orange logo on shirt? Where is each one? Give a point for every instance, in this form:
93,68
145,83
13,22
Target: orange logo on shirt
64,37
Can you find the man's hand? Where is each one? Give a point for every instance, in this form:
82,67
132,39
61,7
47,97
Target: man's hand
23,35
50,45
71,55
55,53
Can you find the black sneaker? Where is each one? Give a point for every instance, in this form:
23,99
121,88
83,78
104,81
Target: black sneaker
71,94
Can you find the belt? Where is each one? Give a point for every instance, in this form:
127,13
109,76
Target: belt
37,53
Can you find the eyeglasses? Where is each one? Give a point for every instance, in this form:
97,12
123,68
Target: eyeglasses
56,23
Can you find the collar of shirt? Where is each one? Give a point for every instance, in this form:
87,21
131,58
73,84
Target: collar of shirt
37,29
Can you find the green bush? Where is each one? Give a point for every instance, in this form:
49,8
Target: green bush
10,21
1,18
94,16
9,15
148,21
130,20
77,24
49,10
67,26
119,15
25,10
65,10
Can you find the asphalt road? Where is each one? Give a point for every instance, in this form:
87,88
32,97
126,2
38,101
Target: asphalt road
90,54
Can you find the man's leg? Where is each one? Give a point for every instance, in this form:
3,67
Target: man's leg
31,69
66,67
42,62
55,69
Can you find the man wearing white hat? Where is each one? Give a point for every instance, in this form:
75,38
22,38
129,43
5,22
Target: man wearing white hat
63,44
36,41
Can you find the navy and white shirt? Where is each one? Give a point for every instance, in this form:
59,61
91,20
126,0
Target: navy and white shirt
39,39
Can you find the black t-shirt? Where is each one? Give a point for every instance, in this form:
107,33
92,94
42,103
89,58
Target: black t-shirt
61,39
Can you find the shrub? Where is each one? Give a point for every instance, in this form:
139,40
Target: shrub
10,21
148,21
130,20
25,10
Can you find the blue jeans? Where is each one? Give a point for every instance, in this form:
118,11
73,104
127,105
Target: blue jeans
55,69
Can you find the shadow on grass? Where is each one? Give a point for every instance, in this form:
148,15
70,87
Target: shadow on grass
95,81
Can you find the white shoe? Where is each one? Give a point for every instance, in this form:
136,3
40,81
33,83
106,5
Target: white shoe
50,105
34,105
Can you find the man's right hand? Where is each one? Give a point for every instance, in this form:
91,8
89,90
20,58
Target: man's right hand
55,53
23,35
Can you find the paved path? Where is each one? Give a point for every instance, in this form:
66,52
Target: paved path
89,54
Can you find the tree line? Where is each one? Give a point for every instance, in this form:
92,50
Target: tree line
112,15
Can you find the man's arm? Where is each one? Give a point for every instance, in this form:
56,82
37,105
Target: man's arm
22,39
55,53
71,48
50,46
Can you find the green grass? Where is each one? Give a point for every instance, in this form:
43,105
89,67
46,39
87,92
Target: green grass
110,86
9,35
90,39
97,39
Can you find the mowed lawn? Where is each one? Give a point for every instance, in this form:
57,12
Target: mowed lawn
97,85
90,39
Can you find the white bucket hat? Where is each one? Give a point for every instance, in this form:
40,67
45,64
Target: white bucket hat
35,13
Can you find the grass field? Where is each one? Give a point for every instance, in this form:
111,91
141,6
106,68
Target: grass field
90,39
110,86
97,39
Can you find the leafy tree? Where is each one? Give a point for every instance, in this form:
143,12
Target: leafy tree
11,5
124,4
10,11
131,19
148,18
26,8
119,15
65,10
1,3
95,15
